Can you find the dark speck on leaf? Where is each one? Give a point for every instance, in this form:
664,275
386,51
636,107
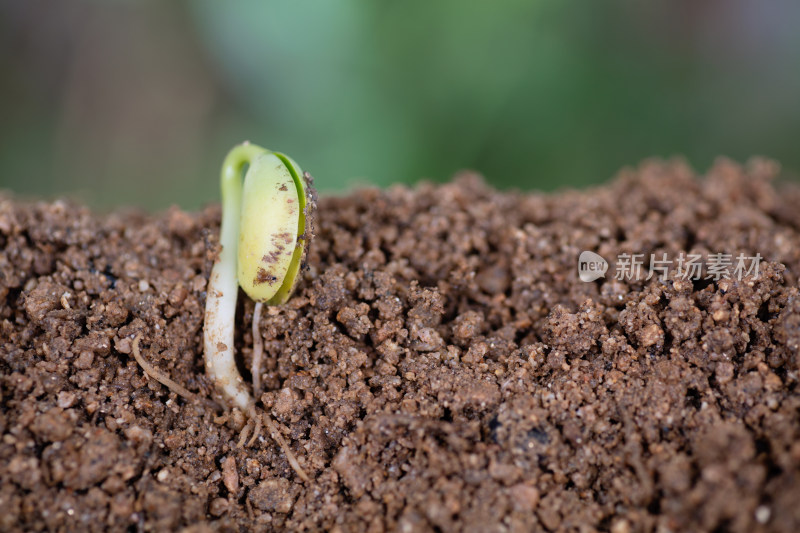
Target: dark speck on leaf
274,255
282,187
263,276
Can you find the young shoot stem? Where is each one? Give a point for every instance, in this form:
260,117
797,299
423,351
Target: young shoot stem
223,285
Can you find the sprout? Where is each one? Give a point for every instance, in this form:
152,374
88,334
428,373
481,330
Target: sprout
263,237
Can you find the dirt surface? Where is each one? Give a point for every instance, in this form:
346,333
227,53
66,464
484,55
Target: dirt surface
440,368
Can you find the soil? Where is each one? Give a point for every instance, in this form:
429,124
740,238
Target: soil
440,367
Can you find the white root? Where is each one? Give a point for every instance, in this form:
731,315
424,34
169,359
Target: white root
258,351
275,434
220,362
256,431
244,434
157,375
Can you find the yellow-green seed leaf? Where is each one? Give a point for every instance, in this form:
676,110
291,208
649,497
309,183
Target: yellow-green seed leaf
303,232
271,219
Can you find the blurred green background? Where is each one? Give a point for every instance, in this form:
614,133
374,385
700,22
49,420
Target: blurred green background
136,102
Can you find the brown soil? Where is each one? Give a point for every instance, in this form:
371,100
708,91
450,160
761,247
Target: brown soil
440,368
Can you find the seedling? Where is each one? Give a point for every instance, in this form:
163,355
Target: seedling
264,235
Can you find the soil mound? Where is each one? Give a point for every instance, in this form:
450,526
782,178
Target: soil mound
441,367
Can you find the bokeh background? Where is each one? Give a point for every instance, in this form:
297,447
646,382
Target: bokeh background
129,102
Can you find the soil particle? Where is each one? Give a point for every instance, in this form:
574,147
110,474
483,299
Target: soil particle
230,476
440,367
273,495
